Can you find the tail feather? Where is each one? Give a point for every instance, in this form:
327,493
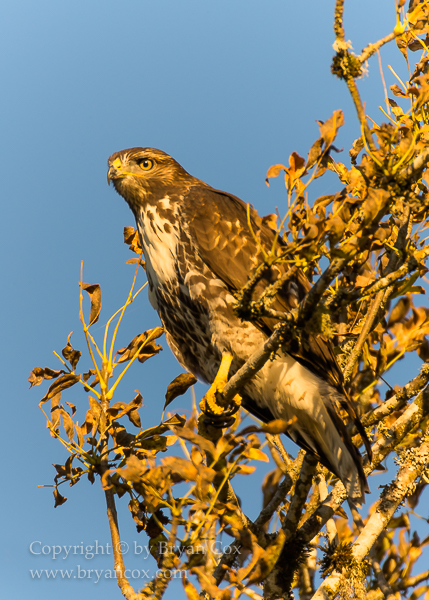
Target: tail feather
326,437
338,455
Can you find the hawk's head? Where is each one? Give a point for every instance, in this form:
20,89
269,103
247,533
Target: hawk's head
143,174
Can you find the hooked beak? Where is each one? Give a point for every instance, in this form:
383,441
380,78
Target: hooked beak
114,171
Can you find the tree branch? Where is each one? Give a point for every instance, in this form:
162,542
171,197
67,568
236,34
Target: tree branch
414,414
378,521
343,297
280,457
365,331
119,566
255,362
275,583
409,390
284,488
371,49
412,581
381,296
381,579
297,502
331,528
348,69
338,20
411,417
415,168
167,565
265,515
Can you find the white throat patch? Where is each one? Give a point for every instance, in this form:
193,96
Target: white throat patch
159,239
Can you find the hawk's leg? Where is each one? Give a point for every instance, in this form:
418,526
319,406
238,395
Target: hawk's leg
213,404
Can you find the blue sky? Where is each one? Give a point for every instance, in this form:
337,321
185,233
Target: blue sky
227,88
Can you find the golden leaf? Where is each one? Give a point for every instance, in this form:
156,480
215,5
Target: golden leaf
58,498
397,91
178,387
274,171
314,154
38,374
94,292
329,128
256,454
187,433
119,409
131,237
67,424
70,354
190,590
62,383
147,349
244,470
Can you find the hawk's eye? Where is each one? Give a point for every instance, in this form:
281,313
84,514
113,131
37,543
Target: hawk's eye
146,164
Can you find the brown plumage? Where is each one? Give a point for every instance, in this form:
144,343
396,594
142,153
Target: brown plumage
199,251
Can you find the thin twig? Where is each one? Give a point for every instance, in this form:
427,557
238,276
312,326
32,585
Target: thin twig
371,49
409,390
344,297
165,572
381,579
254,364
275,443
331,528
119,565
412,581
299,498
232,551
284,488
338,20
381,296
366,329
351,84
275,287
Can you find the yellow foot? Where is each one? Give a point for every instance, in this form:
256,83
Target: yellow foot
213,404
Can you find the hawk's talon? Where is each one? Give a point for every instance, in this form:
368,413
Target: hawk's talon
213,405
226,419
231,410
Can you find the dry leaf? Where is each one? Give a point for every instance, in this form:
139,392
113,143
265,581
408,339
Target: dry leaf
178,387
94,292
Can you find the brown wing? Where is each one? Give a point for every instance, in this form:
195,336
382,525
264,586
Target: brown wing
218,223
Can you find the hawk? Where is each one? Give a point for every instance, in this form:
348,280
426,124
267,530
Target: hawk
199,251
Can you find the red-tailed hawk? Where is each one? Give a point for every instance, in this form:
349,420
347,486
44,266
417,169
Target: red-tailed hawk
199,251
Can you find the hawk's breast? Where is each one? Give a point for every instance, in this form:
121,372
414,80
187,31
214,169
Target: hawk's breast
159,238
177,287
195,306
